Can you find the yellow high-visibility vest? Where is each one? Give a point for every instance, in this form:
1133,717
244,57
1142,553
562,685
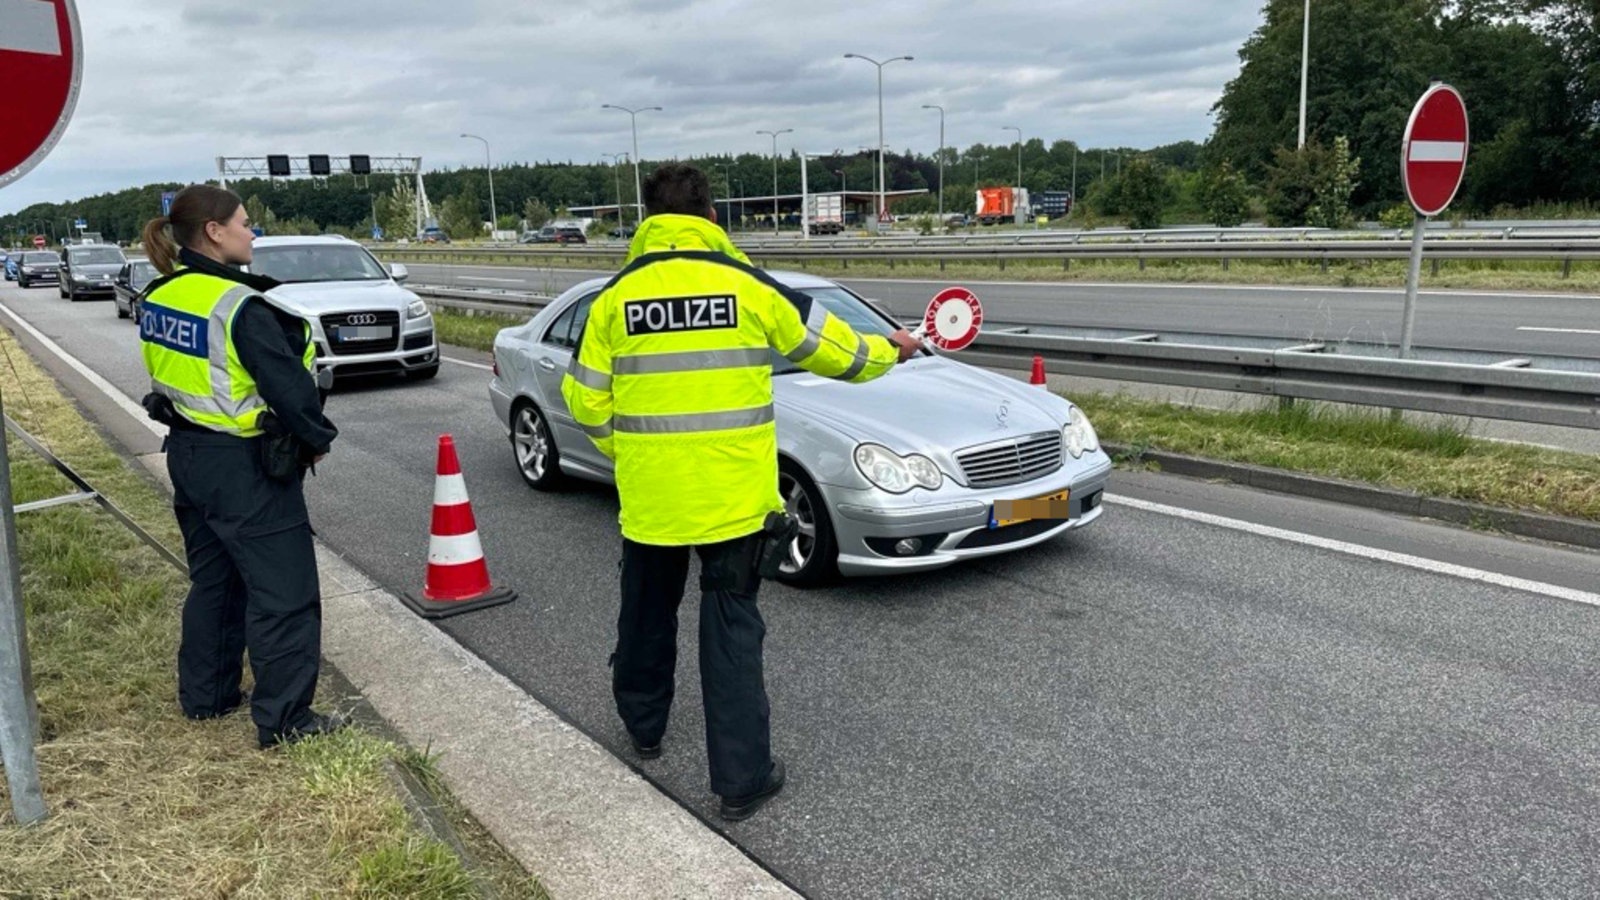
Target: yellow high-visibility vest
186,328
673,380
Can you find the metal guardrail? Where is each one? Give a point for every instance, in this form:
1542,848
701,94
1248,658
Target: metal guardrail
1560,250
1514,389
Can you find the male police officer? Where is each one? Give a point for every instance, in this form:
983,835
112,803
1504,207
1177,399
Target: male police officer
673,381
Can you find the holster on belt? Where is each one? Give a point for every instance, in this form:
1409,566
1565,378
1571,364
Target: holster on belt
283,456
777,534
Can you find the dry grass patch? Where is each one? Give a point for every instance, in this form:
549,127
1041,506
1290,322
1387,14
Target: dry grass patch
144,803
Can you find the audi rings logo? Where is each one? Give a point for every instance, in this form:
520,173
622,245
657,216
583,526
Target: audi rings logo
362,319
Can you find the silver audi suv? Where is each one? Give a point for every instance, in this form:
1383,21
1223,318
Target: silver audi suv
363,321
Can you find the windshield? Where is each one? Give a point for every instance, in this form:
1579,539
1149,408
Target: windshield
141,274
96,256
850,309
317,262
39,258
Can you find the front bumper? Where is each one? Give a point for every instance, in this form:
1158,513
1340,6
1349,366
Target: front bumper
91,288
952,523
42,277
417,348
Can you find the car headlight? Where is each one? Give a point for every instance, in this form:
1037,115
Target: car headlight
416,310
1078,434
894,473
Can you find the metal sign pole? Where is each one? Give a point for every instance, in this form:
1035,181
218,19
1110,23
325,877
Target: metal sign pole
1409,316
18,715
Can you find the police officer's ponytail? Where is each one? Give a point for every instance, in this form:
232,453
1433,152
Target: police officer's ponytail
192,208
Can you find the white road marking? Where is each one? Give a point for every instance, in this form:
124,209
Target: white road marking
1559,330
29,26
1438,151
462,362
486,278
1399,559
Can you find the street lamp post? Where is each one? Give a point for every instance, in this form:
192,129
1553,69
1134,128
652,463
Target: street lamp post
616,176
494,218
941,155
727,203
1019,150
633,121
1305,63
775,171
883,207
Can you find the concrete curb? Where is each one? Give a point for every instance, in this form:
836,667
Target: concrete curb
576,816
1458,512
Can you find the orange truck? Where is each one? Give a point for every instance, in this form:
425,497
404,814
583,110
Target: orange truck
1000,204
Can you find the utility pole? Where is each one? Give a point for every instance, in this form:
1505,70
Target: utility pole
941,157
488,167
616,176
633,122
1305,68
775,172
883,204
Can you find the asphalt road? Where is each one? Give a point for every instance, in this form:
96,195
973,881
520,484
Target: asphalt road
1177,701
1544,324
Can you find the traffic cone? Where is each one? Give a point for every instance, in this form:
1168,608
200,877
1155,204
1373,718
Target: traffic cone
1038,371
458,578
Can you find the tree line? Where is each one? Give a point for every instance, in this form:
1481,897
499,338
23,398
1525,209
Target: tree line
1529,69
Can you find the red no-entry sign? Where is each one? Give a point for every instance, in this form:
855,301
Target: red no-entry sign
1433,156
41,62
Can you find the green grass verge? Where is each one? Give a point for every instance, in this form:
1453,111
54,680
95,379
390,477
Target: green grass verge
475,331
1358,445
144,803
1490,275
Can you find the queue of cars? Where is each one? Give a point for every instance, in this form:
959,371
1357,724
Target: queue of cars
362,320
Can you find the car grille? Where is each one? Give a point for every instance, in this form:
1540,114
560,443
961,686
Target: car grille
1009,462
383,317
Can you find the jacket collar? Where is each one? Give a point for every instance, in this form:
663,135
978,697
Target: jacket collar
664,233
203,264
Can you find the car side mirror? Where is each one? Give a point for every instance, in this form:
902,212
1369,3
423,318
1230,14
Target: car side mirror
398,272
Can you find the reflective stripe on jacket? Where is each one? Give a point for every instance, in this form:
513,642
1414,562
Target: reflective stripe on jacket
186,330
673,380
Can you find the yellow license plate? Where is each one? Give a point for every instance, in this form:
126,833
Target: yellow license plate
1011,512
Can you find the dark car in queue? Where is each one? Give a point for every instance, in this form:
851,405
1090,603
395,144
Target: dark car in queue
88,270
129,286
38,267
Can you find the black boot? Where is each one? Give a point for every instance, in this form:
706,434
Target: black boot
317,724
737,809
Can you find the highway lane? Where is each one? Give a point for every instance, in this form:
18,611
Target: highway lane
1568,325
1164,703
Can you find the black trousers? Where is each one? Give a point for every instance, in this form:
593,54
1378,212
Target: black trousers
738,740
252,583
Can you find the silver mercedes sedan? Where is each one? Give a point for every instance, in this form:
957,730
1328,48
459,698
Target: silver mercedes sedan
935,462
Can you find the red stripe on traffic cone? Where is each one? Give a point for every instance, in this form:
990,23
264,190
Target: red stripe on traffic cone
457,579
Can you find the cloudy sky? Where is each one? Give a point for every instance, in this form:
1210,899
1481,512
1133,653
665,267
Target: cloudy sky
169,85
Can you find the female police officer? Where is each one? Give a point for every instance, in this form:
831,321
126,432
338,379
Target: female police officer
231,375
